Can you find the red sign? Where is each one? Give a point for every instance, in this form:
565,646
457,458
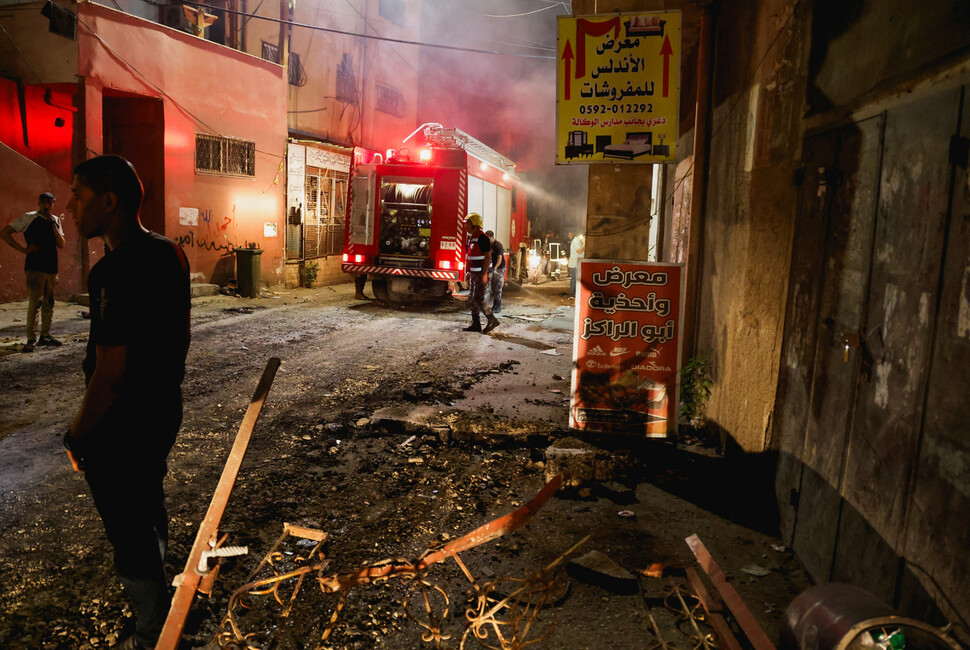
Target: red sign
626,350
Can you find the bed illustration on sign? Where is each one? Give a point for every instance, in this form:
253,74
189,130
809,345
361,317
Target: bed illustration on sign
637,143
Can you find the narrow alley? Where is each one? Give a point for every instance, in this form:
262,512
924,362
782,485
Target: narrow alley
343,448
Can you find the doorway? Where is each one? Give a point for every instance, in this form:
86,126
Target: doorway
134,127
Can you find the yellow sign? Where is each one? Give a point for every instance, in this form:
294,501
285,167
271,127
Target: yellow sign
618,88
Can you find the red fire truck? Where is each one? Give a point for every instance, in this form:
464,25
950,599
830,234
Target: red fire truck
406,217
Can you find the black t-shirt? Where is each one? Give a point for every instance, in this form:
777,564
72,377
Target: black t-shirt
140,298
498,255
40,232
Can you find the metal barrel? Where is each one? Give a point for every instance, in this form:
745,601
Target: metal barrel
837,616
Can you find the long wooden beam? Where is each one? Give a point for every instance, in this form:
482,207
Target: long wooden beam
208,529
756,635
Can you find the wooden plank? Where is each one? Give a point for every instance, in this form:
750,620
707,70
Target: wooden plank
853,184
909,247
756,636
941,486
798,348
185,592
713,607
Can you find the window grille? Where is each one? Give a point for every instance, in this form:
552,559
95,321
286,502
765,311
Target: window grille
295,72
216,154
390,100
325,212
346,81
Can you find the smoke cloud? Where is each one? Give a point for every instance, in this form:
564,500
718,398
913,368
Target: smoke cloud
508,102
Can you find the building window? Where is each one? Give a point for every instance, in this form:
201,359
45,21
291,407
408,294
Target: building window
390,100
325,212
346,82
215,154
392,10
295,71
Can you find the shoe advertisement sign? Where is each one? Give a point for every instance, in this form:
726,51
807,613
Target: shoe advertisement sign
618,88
626,348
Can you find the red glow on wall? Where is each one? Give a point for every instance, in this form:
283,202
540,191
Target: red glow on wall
50,124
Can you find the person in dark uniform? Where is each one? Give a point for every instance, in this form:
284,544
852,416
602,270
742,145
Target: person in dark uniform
43,236
496,274
135,363
478,258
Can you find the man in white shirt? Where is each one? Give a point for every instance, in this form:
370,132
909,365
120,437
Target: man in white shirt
576,248
43,235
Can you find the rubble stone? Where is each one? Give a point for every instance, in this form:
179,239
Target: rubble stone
598,569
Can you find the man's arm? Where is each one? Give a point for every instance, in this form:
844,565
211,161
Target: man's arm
109,368
487,249
58,232
7,235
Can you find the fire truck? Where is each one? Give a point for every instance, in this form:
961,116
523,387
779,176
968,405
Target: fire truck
407,207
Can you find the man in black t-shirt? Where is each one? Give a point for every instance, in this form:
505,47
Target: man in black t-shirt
135,363
43,236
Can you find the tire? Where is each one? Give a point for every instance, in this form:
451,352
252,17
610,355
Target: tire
379,286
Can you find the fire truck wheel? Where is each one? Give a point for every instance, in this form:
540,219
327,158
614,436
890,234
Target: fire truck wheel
379,285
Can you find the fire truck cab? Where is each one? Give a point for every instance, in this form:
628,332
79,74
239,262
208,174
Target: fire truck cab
407,207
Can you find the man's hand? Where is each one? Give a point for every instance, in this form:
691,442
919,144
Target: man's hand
77,462
31,248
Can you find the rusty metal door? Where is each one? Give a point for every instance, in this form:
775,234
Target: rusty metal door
858,333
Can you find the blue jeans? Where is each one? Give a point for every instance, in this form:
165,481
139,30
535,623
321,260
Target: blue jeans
572,281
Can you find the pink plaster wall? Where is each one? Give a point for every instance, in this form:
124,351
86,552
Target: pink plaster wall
19,197
204,88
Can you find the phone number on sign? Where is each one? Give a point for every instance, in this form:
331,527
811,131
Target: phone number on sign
600,109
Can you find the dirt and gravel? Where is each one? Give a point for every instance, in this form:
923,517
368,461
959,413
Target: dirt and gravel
339,449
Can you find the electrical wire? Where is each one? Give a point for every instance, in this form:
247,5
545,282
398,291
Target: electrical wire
544,48
528,13
369,36
26,62
197,119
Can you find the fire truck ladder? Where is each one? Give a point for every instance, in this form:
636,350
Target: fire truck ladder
439,136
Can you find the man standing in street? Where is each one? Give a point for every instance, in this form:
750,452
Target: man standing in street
576,249
43,236
135,363
478,258
569,246
496,274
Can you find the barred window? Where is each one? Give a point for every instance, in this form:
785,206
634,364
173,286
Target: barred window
390,100
346,81
295,72
216,154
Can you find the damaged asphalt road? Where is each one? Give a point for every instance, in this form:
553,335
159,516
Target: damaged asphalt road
393,432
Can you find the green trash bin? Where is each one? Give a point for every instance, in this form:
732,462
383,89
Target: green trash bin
247,271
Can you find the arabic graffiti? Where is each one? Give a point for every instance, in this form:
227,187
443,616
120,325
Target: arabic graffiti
190,240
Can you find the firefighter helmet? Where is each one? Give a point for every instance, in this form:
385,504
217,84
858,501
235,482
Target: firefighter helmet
475,219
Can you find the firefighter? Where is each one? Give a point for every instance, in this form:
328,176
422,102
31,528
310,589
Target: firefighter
478,258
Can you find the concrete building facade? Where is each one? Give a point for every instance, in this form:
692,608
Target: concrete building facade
830,251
